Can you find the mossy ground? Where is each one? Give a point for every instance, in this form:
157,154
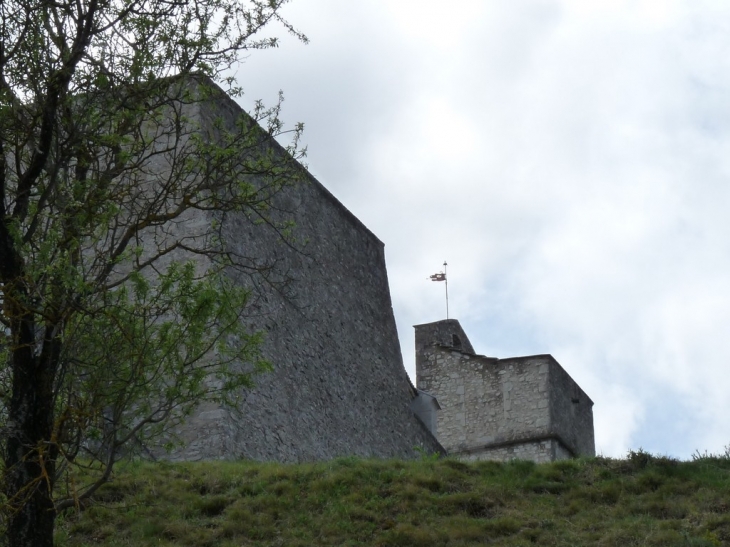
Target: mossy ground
642,500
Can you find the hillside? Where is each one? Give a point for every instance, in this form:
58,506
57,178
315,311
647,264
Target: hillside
642,500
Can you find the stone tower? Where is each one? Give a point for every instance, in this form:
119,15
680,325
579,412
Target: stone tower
500,409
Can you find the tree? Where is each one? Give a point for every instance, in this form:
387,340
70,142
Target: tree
115,321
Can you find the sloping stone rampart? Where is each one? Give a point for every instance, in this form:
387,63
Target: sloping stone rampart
338,387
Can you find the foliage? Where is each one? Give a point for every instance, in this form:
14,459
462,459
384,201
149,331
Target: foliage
442,502
117,316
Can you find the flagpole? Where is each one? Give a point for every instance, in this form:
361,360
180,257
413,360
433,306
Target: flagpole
442,277
446,278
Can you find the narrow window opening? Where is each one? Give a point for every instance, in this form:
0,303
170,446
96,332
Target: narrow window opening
455,341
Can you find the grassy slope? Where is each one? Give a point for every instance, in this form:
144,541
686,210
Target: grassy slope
642,500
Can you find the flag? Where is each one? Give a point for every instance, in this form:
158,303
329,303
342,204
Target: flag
438,277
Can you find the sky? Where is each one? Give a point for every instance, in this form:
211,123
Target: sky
569,159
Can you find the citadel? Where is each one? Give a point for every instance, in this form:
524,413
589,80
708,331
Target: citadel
339,387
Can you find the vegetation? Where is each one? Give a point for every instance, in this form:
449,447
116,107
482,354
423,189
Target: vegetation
113,321
641,500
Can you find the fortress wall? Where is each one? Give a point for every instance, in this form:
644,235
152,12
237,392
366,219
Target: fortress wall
571,412
541,451
501,409
338,386
485,401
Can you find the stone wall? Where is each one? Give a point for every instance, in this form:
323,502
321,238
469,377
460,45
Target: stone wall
338,386
522,407
539,451
571,413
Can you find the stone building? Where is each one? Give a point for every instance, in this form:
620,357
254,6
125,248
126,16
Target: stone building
338,386
499,409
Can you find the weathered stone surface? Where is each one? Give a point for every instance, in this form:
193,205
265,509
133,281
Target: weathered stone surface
339,386
521,407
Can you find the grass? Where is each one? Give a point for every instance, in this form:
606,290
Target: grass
641,500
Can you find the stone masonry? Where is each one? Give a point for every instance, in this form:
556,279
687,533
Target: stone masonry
338,387
501,409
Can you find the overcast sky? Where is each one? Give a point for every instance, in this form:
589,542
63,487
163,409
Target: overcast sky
569,159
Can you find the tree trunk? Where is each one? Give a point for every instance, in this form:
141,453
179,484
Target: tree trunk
30,454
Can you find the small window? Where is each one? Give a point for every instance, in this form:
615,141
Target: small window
455,341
